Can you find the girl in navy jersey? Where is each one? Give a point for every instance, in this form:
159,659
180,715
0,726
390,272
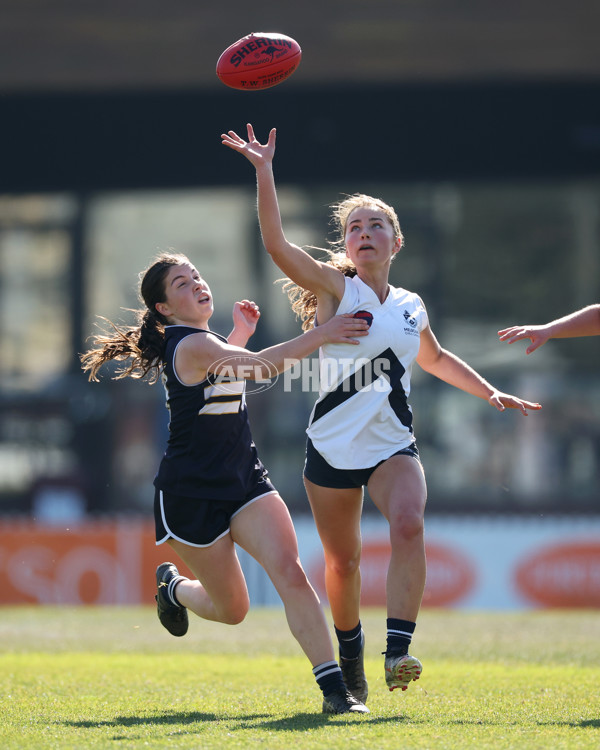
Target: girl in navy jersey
360,431
211,488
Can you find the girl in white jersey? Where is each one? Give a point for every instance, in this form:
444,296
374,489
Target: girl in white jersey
360,432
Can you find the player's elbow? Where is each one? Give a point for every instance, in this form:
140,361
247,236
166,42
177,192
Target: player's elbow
275,244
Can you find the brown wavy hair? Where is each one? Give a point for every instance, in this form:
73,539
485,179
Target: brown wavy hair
303,301
140,347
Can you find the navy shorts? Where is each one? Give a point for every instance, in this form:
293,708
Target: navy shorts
196,521
318,471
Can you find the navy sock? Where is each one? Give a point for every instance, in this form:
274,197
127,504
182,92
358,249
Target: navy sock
329,677
399,636
350,641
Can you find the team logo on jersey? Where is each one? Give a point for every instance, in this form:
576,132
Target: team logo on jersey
364,315
410,319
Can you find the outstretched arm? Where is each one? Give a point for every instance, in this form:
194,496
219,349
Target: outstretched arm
452,370
202,353
585,322
295,263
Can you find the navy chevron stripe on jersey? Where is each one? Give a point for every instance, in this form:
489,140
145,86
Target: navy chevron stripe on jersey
386,364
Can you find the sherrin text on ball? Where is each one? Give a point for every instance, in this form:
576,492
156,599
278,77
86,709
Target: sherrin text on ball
259,61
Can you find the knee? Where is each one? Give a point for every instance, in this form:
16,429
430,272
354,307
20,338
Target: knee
291,572
343,566
234,613
406,527
233,618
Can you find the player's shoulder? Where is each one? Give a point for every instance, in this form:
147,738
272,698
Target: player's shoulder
405,296
187,341
180,331
190,334
353,294
410,306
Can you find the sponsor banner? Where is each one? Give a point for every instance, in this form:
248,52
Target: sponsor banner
451,575
484,563
90,563
473,563
566,574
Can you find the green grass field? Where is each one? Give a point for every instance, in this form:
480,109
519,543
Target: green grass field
113,678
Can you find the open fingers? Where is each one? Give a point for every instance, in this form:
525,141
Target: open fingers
513,334
531,405
354,330
232,139
502,401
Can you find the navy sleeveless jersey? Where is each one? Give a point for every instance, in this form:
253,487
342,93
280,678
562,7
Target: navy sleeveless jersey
210,452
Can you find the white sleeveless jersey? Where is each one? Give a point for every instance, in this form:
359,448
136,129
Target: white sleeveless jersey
362,415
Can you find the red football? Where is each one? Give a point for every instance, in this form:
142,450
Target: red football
259,61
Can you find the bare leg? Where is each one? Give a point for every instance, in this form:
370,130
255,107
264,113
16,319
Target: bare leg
220,593
398,489
337,515
265,530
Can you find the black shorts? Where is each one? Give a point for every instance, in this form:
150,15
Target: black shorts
196,521
318,471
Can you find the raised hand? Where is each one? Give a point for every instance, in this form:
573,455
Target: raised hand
245,318
256,153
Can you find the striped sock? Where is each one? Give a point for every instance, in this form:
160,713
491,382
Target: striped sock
328,676
350,641
399,636
171,589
